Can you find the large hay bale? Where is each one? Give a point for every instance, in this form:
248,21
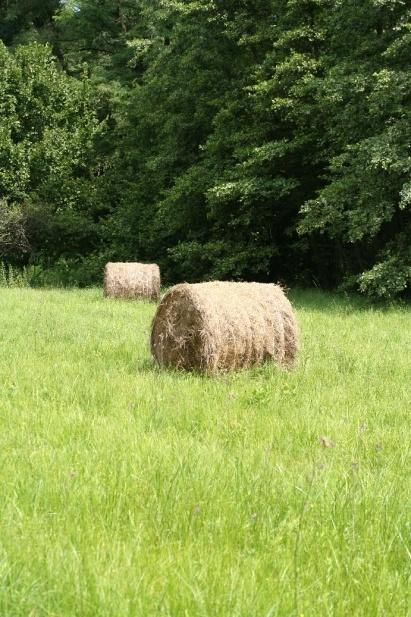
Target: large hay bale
221,326
132,280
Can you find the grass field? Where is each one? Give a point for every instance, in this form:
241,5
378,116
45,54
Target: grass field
127,491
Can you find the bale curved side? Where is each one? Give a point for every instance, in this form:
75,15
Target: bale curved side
221,326
132,280
177,331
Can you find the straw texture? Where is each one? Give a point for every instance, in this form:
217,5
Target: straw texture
221,326
132,280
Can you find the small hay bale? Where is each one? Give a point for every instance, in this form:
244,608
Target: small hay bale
221,326
132,280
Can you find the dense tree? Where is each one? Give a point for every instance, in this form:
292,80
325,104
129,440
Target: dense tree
264,139
264,144
238,134
365,100
47,126
99,33
23,21
191,69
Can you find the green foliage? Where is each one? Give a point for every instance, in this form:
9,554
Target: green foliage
47,130
364,98
68,272
14,277
247,140
22,21
392,275
13,240
103,34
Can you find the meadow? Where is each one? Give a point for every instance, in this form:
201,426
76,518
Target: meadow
129,491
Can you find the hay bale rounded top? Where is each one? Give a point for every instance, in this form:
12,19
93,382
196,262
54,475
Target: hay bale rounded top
220,326
132,280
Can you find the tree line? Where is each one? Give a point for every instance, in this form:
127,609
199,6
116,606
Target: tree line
235,139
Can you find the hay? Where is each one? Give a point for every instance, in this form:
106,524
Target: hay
221,326
132,280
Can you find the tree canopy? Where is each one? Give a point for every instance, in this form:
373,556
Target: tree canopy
245,139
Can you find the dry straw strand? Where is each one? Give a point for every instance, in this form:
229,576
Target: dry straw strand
132,280
221,326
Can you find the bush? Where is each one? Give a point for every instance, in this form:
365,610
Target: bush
68,272
13,277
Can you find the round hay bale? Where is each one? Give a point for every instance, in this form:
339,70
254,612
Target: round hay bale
221,326
132,280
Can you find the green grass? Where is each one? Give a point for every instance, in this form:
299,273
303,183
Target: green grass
129,491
